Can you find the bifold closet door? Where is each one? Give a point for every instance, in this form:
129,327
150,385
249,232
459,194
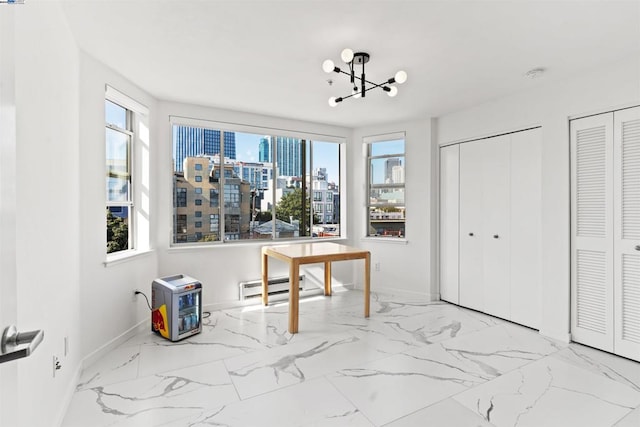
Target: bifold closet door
592,231
626,259
495,233
471,268
484,225
525,225
449,221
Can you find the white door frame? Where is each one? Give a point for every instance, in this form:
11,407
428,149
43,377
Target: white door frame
8,276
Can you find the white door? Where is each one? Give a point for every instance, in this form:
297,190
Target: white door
626,157
525,225
592,231
495,227
8,312
449,222
471,225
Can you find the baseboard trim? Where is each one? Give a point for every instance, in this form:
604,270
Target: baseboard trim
115,342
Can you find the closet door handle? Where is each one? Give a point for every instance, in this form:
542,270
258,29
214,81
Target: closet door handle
495,236
637,247
471,234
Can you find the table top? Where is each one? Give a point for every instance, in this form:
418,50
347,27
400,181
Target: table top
314,252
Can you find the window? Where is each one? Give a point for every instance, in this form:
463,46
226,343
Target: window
385,186
198,202
198,190
181,197
259,185
119,177
198,224
213,198
198,214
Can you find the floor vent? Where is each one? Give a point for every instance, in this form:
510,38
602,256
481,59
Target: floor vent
277,286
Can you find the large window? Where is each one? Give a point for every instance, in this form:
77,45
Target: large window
266,190
385,186
119,177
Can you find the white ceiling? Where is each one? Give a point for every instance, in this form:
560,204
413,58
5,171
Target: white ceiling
266,56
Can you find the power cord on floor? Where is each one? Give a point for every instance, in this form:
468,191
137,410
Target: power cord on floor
205,314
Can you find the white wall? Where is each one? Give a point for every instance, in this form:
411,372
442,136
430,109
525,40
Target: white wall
220,267
47,249
404,268
551,104
107,310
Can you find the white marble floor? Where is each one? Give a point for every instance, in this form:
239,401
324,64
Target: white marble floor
412,363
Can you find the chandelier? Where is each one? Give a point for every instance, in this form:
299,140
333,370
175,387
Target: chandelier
359,83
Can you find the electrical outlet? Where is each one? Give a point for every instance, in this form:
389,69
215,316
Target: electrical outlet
377,266
56,365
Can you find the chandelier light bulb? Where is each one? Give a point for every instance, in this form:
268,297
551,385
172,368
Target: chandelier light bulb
393,91
328,66
400,77
347,55
332,101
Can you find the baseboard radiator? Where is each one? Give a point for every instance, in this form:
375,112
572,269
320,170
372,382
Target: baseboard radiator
277,286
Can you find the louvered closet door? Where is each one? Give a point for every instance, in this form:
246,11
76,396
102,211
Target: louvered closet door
471,286
449,221
627,232
592,231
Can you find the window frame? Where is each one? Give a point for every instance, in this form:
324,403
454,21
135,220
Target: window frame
139,237
306,138
368,143
129,203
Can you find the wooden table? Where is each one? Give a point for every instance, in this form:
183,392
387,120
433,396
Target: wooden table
312,253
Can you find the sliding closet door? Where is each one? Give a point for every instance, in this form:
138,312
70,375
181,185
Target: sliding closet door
495,233
626,240
449,221
471,286
525,223
592,231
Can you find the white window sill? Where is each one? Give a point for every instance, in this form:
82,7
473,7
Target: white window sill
249,243
125,256
392,240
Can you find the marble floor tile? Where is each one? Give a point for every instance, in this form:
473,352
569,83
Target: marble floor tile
261,372
311,403
632,419
447,413
119,365
551,392
153,399
413,362
387,389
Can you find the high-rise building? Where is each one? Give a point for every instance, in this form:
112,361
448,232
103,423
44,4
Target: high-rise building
289,156
389,164
264,150
192,142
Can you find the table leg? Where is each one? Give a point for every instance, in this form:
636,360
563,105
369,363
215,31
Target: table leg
265,279
367,283
327,278
294,296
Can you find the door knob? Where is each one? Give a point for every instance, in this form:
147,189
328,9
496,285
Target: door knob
16,345
495,236
637,247
471,234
